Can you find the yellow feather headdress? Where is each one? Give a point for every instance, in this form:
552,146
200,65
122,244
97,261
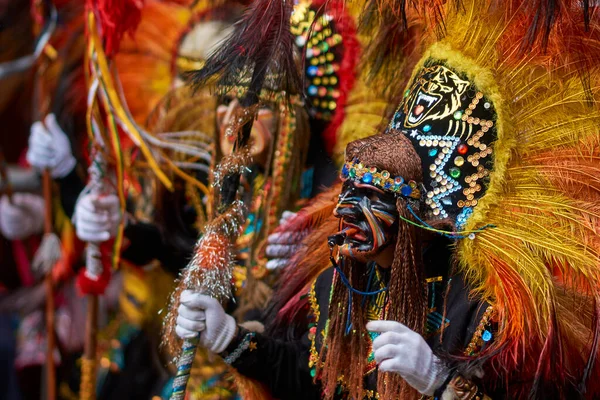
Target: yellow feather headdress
536,180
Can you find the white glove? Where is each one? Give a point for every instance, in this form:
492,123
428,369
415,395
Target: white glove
286,216
401,350
202,314
49,147
97,217
23,218
281,246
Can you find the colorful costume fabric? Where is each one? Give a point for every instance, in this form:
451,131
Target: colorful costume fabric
487,150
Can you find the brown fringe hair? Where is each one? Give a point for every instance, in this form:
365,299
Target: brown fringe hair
406,293
407,304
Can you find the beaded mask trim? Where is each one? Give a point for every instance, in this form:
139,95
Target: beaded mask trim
356,171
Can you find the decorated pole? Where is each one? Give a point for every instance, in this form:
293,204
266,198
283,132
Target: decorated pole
94,271
51,249
209,271
87,389
261,40
107,118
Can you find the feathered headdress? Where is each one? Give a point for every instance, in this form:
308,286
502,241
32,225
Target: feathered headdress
149,65
521,145
502,110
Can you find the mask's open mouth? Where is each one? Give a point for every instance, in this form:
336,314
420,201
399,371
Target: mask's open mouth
421,105
365,216
354,233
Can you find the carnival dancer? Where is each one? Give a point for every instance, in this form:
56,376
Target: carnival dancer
490,156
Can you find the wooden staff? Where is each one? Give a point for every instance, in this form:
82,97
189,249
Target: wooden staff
50,370
49,251
93,271
7,190
87,390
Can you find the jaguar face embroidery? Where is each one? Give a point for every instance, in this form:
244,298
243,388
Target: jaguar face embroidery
435,95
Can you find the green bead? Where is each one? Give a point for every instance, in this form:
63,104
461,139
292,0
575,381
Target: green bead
458,115
454,172
406,93
352,173
313,372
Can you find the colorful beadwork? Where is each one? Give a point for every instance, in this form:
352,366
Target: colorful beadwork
483,333
356,171
462,218
313,358
453,131
322,60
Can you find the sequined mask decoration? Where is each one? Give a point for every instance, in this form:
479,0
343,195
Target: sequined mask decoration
452,126
397,185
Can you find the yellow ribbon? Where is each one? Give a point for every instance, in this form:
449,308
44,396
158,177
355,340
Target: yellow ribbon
113,99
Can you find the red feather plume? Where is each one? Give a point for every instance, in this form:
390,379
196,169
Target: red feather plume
312,225
115,18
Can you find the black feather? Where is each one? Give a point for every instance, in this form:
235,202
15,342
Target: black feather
258,55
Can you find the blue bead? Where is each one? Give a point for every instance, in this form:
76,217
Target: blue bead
433,152
426,128
387,185
345,171
406,190
367,178
312,70
313,90
486,336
